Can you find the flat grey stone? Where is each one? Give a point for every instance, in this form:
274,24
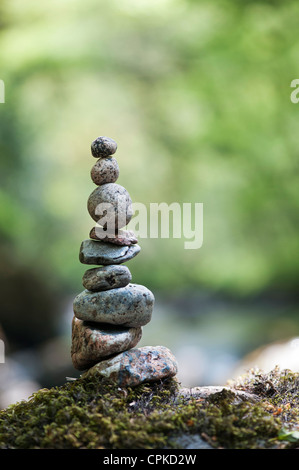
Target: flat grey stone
205,392
138,365
190,441
130,306
101,253
121,237
92,342
106,277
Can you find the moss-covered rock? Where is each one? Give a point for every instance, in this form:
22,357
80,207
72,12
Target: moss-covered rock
96,414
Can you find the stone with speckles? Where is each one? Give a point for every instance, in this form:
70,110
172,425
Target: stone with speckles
121,237
129,306
92,342
105,171
101,253
103,147
110,205
106,277
139,365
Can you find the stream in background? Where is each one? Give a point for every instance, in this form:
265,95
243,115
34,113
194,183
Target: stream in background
210,337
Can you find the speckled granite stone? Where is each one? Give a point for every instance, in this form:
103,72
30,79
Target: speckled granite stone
127,306
105,171
121,238
91,342
107,277
103,147
98,252
139,365
110,205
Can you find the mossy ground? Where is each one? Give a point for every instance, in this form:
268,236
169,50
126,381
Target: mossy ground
96,414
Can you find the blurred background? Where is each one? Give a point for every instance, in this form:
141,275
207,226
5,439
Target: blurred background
197,96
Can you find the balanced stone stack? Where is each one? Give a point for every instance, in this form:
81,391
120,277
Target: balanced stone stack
110,313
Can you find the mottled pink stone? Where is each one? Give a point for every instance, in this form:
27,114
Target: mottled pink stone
94,342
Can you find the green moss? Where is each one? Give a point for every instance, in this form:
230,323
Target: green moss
96,414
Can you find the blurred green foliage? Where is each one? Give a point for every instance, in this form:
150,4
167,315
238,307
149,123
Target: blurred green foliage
197,95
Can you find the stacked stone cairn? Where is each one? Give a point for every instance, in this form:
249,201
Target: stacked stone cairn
110,313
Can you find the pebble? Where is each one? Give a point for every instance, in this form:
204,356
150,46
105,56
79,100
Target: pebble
103,147
139,365
100,253
122,237
107,277
129,306
116,205
105,170
91,343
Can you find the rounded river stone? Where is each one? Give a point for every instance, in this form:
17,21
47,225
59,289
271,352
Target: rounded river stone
110,205
107,277
97,252
105,171
133,367
103,147
130,306
92,342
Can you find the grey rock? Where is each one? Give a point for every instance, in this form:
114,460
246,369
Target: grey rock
121,237
103,147
107,277
92,342
105,171
129,306
111,206
136,366
189,441
101,253
205,392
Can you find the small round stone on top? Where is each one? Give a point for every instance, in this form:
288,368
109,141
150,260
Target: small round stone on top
103,147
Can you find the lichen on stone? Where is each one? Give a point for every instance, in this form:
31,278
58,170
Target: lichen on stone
97,414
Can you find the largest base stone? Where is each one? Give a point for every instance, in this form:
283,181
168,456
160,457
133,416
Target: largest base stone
131,368
130,306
